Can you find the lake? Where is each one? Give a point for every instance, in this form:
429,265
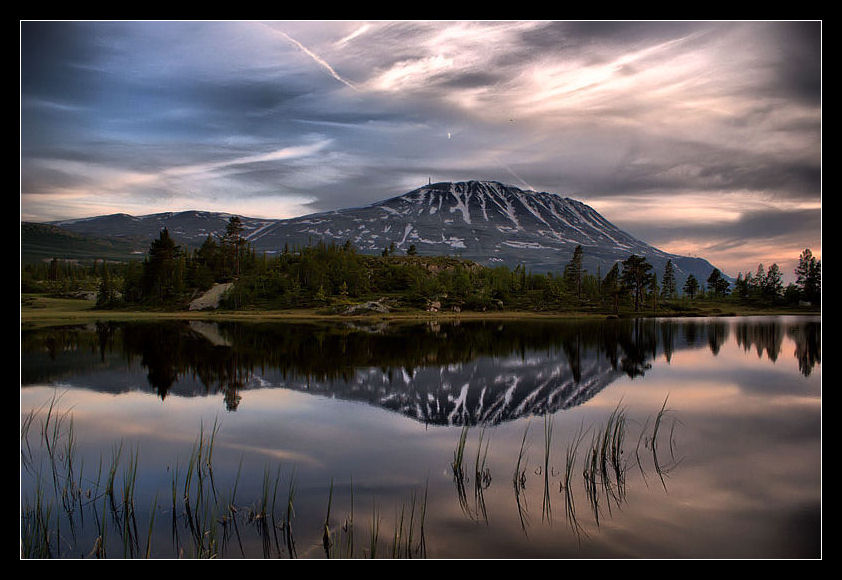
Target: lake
648,438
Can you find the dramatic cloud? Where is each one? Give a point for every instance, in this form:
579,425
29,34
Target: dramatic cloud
701,138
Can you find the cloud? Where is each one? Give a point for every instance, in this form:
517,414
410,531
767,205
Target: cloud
696,123
319,60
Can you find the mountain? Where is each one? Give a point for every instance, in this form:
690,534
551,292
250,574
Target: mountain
40,242
484,221
188,227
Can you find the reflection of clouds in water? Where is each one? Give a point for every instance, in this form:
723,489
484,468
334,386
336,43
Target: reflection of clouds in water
747,432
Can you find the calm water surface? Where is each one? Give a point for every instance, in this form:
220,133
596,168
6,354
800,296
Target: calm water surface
667,438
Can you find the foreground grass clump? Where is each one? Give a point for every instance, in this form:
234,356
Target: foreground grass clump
71,511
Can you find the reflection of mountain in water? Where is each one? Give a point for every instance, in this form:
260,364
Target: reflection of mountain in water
469,373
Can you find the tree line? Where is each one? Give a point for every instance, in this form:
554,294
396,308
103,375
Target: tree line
330,275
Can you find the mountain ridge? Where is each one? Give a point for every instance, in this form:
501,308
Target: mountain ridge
488,222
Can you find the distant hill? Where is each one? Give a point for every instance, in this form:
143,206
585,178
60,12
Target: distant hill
41,242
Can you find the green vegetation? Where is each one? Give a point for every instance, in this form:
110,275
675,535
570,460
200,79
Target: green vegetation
332,279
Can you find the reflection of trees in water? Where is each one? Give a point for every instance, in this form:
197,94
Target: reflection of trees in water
767,337
808,345
717,334
227,358
762,336
172,349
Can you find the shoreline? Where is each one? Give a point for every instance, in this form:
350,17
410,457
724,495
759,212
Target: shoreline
40,311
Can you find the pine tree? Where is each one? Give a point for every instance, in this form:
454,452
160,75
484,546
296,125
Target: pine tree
759,281
668,284
741,285
611,286
808,277
159,282
636,277
107,294
773,286
717,284
573,272
653,291
691,286
233,241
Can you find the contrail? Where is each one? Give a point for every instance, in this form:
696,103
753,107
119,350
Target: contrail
518,177
319,60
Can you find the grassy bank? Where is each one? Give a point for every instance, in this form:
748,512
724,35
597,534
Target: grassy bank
40,310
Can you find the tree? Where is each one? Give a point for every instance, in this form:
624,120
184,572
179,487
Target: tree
717,284
691,286
611,286
233,241
773,286
107,294
808,277
758,282
573,272
668,283
412,251
636,277
390,251
653,291
207,264
160,281
741,285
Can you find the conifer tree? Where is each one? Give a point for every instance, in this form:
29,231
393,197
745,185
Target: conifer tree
573,272
808,277
773,286
717,284
233,241
160,269
611,286
668,283
636,277
691,286
653,291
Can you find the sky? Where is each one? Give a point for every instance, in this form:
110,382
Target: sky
700,138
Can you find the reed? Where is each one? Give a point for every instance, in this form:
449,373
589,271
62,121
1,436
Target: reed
590,474
422,544
566,484
546,510
327,540
663,470
274,522
290,514
458,463
349,526
374,532
482,476
35,525
519,482
398,534
458,468
148,552
612,466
